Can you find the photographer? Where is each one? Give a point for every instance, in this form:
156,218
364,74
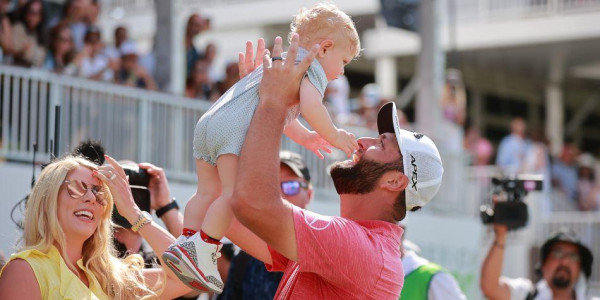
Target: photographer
565,266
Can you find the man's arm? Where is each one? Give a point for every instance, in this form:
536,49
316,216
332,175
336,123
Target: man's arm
491,284
256,200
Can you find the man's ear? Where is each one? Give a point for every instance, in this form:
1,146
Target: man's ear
326,45
394,181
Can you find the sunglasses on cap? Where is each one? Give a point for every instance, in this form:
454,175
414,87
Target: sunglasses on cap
77,189
292,187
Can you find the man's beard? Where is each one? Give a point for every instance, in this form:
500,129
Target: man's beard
360,178
559,281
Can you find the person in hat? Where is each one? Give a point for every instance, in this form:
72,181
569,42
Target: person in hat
356,255
565,266
248,278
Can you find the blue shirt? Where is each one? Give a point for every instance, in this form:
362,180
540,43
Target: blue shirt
249,279
511,153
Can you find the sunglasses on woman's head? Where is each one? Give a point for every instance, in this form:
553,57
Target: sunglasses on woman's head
292,187
77,189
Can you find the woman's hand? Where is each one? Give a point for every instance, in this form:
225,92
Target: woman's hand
118,184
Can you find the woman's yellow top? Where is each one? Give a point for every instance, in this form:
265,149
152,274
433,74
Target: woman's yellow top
56,280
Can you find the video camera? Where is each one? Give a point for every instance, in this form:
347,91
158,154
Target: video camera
507,195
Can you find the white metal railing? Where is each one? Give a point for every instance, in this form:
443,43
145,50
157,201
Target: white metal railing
131,123
141,126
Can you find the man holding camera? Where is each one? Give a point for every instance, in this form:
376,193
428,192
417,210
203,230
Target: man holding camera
565,261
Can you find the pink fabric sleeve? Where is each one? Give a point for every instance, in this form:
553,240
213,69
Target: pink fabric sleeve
337,249
279,261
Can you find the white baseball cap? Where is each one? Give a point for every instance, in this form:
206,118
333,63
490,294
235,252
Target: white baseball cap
421,158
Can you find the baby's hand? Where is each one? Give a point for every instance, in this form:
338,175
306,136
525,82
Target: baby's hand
316,144
346,142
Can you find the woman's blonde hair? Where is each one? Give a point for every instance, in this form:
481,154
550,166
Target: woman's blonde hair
325,21
119,279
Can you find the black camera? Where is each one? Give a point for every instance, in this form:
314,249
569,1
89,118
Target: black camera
138,181
508,194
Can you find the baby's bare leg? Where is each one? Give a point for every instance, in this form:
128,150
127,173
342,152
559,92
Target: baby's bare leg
219,215
209,189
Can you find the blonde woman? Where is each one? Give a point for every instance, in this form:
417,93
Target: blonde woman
68,248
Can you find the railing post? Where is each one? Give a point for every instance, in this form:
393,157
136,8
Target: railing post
144,129
55,99
5,112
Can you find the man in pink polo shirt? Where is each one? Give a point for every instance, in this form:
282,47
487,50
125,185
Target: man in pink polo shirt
357,255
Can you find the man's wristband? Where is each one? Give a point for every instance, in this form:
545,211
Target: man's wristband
163,210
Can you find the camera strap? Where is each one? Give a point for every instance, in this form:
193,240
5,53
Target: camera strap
532,294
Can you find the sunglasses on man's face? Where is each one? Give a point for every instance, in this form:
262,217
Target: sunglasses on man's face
559,254
292,187
77,189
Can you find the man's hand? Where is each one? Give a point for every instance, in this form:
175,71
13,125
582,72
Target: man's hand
247,62
280,84
158,186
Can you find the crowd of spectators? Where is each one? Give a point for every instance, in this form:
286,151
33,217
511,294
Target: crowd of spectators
68,41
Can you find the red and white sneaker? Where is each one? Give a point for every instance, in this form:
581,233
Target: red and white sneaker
194,261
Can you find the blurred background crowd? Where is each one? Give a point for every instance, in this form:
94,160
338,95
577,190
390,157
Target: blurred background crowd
516,95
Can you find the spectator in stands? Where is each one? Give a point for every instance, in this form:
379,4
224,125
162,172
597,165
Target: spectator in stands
537,161
67,244
231,77
210,53
130,72
61,57
566,265
480,148
588,190
90,17
564,171
454,102
74,14
513,148
424,279
6,48
454,98
370,99
196,24
28,36
337,94
198,84
95,63
248,277
121,36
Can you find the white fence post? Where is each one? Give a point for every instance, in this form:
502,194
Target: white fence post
144,130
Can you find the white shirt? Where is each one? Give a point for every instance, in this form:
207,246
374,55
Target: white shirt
442,287
521,287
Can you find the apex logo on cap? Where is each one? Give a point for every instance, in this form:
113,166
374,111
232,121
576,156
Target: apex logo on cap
414,179
418,135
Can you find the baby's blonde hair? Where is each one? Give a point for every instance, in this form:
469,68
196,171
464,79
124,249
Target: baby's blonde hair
119,279
325,21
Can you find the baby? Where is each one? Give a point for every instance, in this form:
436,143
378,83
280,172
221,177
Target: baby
220,133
